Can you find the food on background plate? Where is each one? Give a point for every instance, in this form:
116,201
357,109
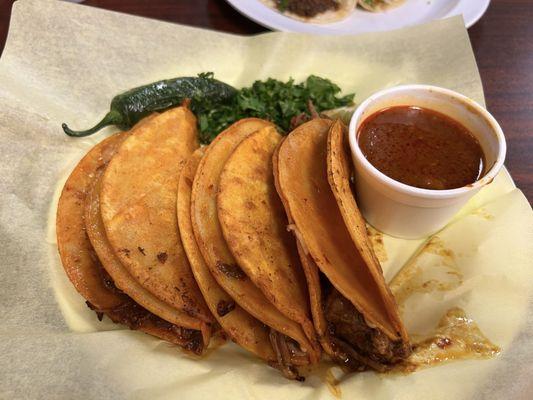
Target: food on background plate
314,11
421,148
218,105
292,345
83,266
379,5
326,11
354,312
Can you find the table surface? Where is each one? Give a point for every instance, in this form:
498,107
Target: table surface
502,42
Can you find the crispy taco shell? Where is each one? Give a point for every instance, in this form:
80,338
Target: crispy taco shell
220,260
138,210
121,277
77,254
354,312
241,327
83,266
254,223
339,172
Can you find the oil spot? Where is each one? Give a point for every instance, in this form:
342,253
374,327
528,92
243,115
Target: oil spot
456,337
333,384
443,342
483,213
433,269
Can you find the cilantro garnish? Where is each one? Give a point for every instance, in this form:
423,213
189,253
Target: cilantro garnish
274,100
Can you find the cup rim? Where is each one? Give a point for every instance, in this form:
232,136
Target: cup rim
487,178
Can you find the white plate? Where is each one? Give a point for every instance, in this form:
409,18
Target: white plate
412,12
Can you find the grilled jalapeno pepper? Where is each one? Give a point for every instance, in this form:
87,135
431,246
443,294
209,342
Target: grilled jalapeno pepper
130,107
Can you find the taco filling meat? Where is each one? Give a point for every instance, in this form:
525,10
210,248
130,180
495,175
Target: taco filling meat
288,354
354,312
307,8
355,343
93,268
136,317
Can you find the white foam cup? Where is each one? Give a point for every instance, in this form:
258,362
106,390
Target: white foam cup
409,212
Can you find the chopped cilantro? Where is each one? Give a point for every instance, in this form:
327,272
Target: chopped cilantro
274,100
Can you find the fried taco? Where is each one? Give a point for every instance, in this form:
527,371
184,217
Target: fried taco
118,273
137,203
83,266
313,11
253,223
290,342
354,312
241,327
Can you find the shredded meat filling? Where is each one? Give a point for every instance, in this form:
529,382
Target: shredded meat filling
135,316
288,355
307,8
356,341
104,276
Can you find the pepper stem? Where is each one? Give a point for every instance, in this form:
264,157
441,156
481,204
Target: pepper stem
113,117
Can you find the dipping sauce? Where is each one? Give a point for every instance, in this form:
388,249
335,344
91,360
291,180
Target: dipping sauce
421,147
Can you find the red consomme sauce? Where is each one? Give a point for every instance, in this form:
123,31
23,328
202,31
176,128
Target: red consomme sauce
421,147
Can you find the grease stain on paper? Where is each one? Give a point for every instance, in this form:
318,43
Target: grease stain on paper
435,269
483,213
333,383
456,337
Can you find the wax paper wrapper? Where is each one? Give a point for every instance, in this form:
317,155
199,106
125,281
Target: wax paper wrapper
64,62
